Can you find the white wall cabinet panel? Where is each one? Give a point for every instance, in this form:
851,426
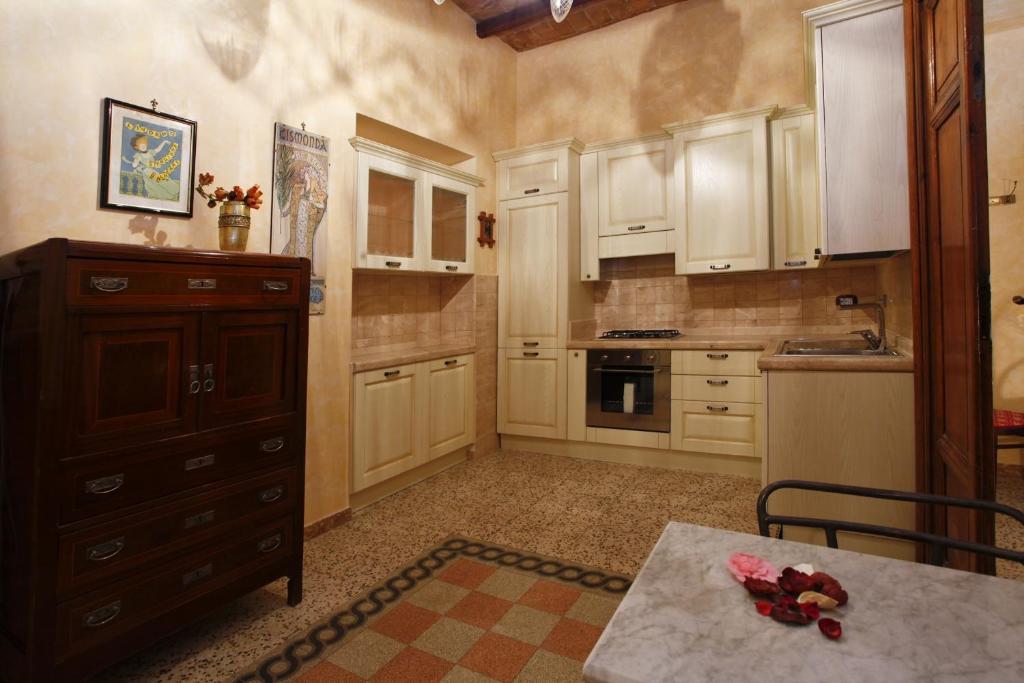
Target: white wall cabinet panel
634,188
795,226
538,170
451,208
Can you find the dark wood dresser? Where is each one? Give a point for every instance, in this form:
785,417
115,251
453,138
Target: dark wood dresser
153,440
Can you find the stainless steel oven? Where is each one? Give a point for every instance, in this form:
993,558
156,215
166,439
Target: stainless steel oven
629,389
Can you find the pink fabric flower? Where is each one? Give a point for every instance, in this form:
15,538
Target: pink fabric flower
742,565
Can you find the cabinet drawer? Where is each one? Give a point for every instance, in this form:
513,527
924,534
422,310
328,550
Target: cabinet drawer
127,545
92,282
537,173
449,362
714,427
715,362
729,388
104,483
104,615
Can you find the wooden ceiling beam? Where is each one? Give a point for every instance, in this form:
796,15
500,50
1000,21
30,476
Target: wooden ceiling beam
523,16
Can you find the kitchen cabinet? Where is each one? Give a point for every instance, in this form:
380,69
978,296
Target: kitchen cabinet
722,199
412,214
532,392
408,415
856,68
796,236
576,386
540,169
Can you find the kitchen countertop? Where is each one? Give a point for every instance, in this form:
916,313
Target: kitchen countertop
375,359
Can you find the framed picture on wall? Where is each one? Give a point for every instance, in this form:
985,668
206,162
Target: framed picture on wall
148,160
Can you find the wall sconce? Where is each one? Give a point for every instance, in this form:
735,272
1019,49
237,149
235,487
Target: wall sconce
486,237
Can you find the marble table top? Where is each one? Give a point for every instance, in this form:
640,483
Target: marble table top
687,619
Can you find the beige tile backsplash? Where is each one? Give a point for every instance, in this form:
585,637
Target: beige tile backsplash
644,292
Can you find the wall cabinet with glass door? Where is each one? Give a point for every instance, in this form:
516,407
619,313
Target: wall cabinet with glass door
412,214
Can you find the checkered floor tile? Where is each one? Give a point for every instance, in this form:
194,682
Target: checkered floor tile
475,620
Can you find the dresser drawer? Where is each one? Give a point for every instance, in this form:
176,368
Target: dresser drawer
94,619
715,362
93,282
110,550
99,483
729,388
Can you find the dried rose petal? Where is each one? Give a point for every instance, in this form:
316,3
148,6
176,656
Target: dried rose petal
836,592
787,601
795,582
810,609
762,589
790,615
831,628
764,608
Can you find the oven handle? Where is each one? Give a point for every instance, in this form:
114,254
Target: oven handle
614,371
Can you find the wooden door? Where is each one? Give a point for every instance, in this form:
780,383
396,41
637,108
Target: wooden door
387,426
952,346
634,186
248,366
450,408
532,287
795,226
531,393
134,376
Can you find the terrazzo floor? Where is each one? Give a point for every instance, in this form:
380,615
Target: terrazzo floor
600,514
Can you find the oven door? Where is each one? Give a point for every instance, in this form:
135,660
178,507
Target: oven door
629,397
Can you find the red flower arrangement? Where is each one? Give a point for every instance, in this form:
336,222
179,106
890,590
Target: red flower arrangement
796,597
253,197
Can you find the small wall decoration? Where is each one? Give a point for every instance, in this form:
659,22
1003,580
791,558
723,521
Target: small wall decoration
486,237
148,160
298,214
317,295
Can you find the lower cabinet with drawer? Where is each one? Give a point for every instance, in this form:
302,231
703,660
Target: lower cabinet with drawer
408,415
153,445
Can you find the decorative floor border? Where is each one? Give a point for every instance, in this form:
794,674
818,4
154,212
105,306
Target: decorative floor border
290,659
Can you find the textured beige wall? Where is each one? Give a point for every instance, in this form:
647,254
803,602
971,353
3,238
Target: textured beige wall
1004,51
681,62
236,67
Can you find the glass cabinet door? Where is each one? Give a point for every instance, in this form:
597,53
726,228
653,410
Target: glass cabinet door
451,212
389,206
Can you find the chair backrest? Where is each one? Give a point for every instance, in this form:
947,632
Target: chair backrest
937,545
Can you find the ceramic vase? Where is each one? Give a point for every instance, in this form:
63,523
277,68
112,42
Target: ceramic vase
233,226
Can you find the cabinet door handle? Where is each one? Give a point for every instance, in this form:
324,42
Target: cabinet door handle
275,286
718,382
200,462
105,551
109,285
272,445
634,228
720,266
453,361
795,264
102,615
200,519
269,545
534,190
718,409
717,356
451,269
391,373
208,382
193,379
191,577
202,283
393,264
104,485
531,354
272,494
1018,299
531,343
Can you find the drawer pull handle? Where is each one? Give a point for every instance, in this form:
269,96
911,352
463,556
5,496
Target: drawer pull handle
718,409
200,519
634,228
202,283
720,266
531,343
531,354
200,462
451,269
269,545
718,382
193,379
275,286
197,574
272,445
104,485
208,381
796,264
272,494
393,264
453,361
105,551
109,285
717,356
532,191
102,615
391,373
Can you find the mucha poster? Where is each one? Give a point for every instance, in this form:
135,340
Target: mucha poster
298,213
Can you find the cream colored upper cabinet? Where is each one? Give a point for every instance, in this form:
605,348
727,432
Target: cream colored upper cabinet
451,406
387,424
412,214
721,176
451,207
634,188
533,258
860,89
795,228
531,397
536,170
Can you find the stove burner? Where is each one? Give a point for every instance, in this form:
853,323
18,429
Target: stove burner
640,334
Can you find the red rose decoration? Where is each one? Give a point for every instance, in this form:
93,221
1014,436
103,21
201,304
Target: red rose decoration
831,628
794,582
761,589
764,607
810,609
790,615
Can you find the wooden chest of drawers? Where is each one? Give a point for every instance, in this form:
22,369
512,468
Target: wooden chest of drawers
153,442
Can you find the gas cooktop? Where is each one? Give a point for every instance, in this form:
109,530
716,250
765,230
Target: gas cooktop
640,334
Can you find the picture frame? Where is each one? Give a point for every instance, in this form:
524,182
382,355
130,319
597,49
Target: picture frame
148,160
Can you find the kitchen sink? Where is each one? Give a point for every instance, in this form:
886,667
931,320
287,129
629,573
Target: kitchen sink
840,346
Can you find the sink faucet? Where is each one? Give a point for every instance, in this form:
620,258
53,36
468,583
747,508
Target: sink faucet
849,302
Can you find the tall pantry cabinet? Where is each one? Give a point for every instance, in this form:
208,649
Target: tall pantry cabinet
538,288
